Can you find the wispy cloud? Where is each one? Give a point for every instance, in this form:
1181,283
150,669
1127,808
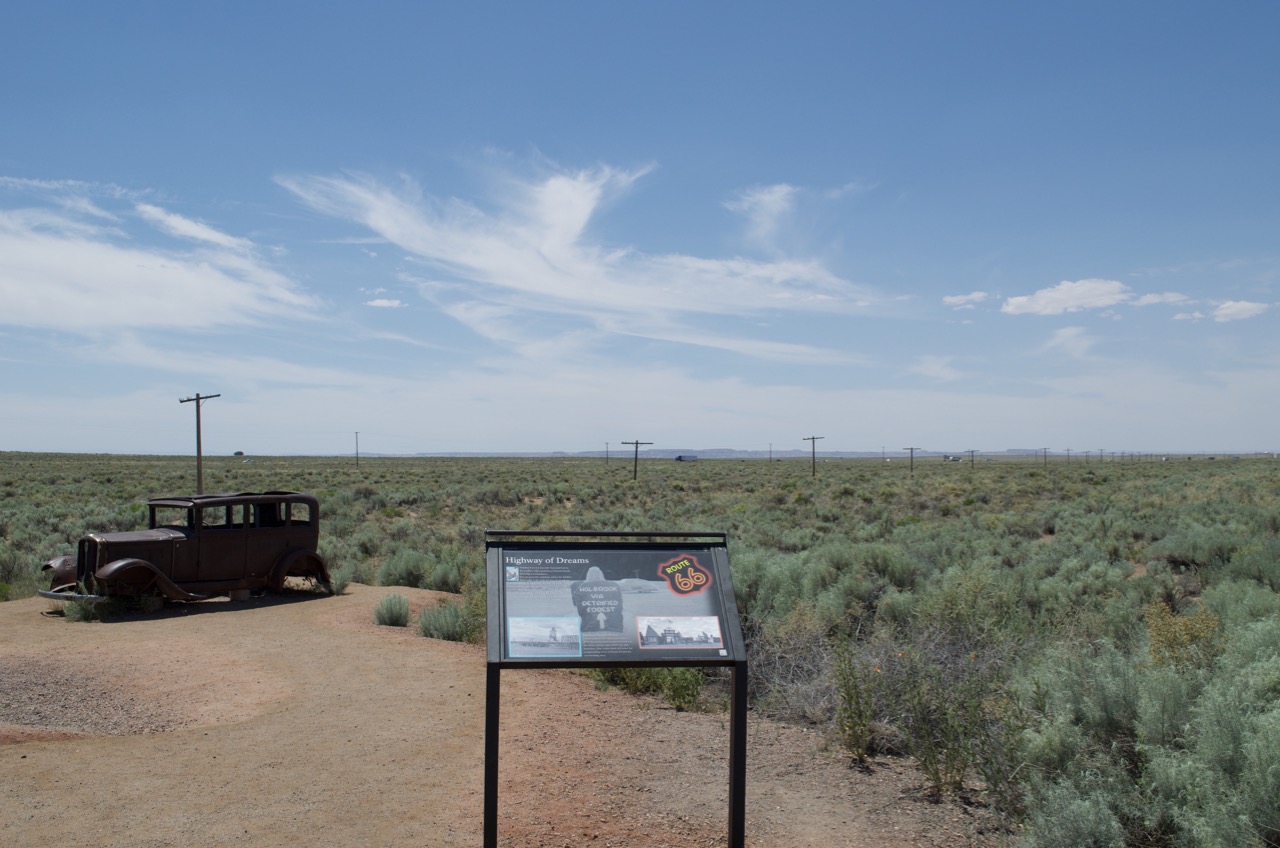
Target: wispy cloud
1069,296
936,367
1238,310
1073,341
966,301
533,252
185,228
385,303
63,269
765,208
1174,298
1081,295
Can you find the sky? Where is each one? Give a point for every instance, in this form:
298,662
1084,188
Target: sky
559,226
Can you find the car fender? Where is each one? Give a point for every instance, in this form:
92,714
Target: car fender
139,571
63,578
302,563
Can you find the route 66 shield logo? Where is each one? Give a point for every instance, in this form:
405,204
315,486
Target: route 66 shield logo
685,575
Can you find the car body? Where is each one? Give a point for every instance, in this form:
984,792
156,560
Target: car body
197,547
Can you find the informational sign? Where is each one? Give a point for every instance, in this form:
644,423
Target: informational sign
589,604
558,599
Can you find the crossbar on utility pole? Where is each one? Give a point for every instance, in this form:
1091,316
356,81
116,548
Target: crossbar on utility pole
199,398
635,468
813,452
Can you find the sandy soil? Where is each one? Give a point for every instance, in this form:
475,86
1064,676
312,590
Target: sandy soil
296,720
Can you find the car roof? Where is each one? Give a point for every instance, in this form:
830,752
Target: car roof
229,498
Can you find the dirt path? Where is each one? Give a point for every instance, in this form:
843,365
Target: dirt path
297,720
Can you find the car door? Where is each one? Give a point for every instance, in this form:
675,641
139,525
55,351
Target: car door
222,537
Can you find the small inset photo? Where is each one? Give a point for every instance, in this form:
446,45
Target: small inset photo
687,631
544,636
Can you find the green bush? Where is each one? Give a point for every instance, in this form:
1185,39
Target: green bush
340,579
445,621
856,683
1065,818
392,611
681,687
406,567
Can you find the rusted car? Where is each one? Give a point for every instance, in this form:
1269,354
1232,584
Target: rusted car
198,547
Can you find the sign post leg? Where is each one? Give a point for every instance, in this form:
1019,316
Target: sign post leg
492,701
738,757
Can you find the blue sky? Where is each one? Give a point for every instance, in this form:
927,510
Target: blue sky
552,226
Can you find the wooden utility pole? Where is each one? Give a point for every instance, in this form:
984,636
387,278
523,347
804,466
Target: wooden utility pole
912,451
357,448
635,468
971,453
813,452
199,398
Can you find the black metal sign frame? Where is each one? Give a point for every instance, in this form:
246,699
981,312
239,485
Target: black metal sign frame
612,600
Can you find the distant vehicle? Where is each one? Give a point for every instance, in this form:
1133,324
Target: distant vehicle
197,547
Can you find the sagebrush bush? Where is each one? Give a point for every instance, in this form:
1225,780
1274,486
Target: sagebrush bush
1065,818
392,611
445,621
340,579
681,687
406,567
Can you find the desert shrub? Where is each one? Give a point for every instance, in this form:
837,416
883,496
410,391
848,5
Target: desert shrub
1259,560
1240,602
1218,809
340,579
402,530
974,597
680,687
1180,640
392,611
11,564
938,695
1066,818
368,541
1165,710
1196,547
855,684
83,610
790,666
406,567
895,608
443,621
451,564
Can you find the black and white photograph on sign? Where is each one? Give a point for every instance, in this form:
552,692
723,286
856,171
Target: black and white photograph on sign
544,636
605,593
692,631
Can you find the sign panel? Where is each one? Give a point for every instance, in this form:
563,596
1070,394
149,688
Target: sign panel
664,599
608,604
